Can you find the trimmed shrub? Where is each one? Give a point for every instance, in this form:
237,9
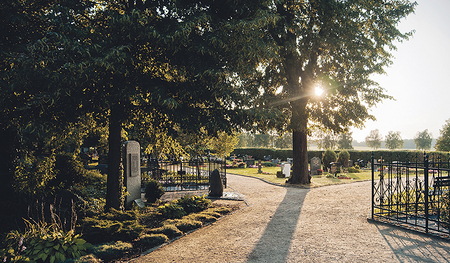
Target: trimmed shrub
111,250
171,231
153,191
343,158
353,170
194,204
153,240
184,224
171,211
329,156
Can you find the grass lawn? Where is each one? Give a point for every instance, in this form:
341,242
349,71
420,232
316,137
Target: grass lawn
269,174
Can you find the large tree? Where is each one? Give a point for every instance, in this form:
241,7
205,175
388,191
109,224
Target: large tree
394,140
443,142
339,45
373,140
128,62
423,140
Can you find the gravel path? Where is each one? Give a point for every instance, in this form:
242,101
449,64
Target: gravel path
289,224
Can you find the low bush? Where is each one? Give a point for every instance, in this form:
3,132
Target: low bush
171,211
153,191
353,170
171,231
184,224
194,204
153,240
111,250
114,225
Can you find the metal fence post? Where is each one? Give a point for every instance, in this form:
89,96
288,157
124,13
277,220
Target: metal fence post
373,186
425,174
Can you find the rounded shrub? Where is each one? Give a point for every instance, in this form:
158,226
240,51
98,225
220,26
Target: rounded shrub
171,211
329,156
194,204
153,240
344,157
153,191
112,250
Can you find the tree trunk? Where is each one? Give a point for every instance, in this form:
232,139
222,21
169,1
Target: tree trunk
115,177
300,174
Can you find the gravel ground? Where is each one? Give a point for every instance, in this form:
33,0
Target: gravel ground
289,224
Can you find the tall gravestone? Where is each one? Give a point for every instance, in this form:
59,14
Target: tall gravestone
315,164
132,170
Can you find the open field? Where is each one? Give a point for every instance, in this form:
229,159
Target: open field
269,174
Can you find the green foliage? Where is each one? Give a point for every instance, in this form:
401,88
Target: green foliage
57,247
43,242
394,141
345,141
344,157
171,210
446,208
354,169
153,190
153,240
184,224
443,142
32,176
171,231
111,250
423,140
373,140
223,144
329,156
110,226
85,259
194,204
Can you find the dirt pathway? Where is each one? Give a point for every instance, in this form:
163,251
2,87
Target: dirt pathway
287,224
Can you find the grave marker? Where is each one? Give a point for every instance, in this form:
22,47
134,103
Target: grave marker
132,170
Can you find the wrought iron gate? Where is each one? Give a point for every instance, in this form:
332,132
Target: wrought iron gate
412,194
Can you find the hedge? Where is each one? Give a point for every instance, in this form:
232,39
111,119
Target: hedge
404,156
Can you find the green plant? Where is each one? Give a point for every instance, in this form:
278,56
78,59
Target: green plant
353,170
329,156
56,247
153,191
153,240
114,225
111,250
171,231
185,224
194,204
343,157
171,211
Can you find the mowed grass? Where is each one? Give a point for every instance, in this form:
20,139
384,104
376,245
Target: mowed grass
269,174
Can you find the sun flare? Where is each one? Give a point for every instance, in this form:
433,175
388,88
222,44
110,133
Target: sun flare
318,91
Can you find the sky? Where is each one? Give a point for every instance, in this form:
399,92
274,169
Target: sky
418,79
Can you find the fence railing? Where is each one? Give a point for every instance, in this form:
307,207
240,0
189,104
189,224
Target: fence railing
184,175
412,194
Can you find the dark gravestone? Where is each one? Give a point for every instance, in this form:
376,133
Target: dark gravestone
215,184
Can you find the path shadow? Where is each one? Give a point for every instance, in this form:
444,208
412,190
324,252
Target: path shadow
274,244
411,246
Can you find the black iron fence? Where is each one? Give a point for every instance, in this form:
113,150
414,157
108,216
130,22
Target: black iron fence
413,193
183,176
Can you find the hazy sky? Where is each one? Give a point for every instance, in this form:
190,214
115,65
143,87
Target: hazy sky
419,77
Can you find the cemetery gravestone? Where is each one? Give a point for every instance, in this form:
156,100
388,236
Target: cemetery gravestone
334,168
132,170
315,164
215,184
286,169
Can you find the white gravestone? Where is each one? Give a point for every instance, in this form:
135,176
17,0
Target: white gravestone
286,169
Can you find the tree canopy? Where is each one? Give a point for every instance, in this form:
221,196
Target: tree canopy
338,45
443,142
373,140
394,140
423,140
